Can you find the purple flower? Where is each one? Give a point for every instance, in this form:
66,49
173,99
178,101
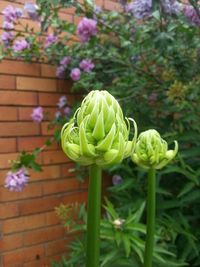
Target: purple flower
50,39
37,114
65,61
32,10
139,8
11,14
86,29
7,37
16,181
86,65
60,72
191,15
20,45
171,6
8,25
67,111
117,179
58,114
75,74
62,101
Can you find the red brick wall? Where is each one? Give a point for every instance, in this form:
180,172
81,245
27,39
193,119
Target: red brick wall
30,233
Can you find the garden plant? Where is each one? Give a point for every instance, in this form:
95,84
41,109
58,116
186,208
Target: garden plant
146,55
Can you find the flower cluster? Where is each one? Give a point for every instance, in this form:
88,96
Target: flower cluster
16,181
32,10
64,63
139,8
62,108
98,133
37,114
86,29
171,6
10,15
50,40
86,65
20,45
191,15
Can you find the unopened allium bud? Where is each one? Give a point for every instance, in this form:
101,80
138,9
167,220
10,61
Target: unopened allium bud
151,151
98,133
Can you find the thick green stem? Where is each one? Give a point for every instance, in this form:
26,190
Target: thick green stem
151,210
93,217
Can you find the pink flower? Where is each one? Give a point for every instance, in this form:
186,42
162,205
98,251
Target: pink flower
58,114
86,29
16,181
60,72
37,114
86,65
50,39
62,101
11,14
20,45
65,61
8,25
75,74
32,10
7,37
67,111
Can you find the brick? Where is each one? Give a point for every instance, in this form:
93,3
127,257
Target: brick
5,160
111,5
51,218
48,172
64,86
23,255
52,157
36,84
32,190
8,114
38,205
8,210
43,235
46,99
11,242
60,186
19,128
23,223
79,197
18,98
7,145
56,247
48,70
67,170
7,82
30,143
19,68
43,262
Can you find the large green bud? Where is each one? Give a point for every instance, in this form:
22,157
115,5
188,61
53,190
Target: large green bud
151,151
98,133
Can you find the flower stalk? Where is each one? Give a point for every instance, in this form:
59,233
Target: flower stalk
151,212
93,216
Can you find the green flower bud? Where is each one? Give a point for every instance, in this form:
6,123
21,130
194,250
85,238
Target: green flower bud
98,133
151,151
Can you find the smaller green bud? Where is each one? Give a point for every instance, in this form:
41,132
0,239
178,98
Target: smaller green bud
151,151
